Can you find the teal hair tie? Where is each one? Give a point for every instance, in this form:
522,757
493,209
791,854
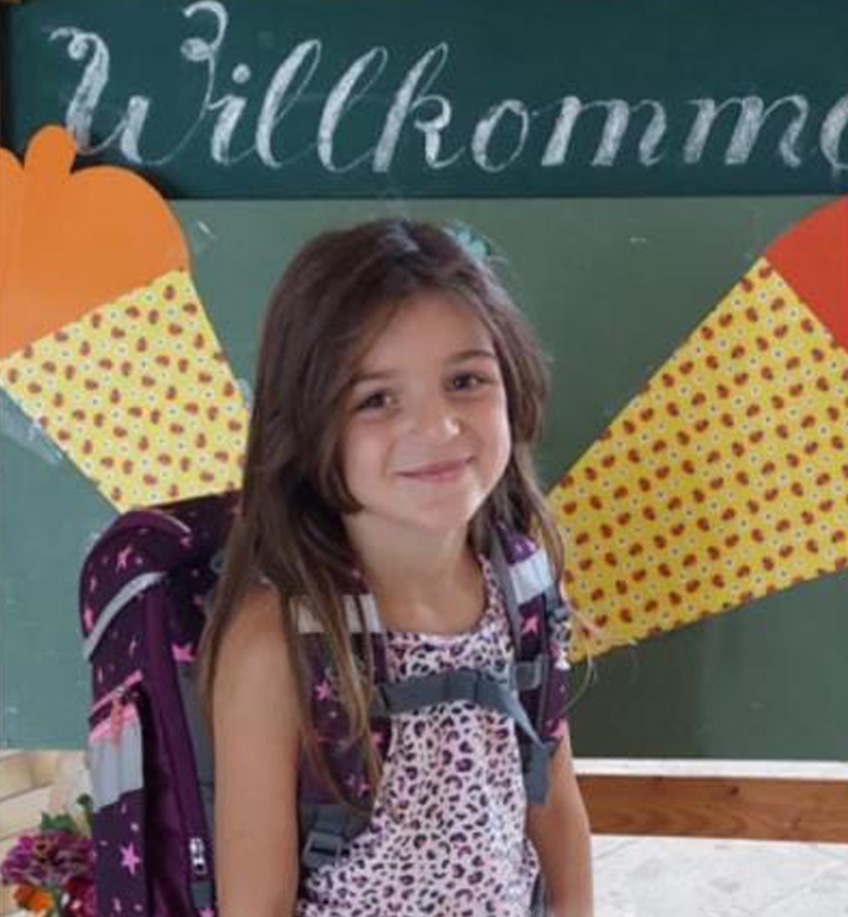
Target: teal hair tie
469,240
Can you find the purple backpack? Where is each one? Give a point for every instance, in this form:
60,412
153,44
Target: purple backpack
144,592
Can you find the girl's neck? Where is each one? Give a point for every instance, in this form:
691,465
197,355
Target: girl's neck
416,578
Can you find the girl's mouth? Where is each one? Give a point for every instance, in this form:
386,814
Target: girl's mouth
438,472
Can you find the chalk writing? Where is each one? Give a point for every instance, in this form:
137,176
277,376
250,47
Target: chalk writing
498,140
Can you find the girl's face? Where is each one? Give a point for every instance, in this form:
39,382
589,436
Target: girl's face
425,436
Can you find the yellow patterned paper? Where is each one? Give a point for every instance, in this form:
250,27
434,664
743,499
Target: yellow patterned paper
139,395
724,479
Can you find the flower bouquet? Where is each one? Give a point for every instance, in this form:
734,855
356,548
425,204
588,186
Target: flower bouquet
52,869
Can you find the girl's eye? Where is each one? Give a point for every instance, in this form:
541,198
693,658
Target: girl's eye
374,401
466,381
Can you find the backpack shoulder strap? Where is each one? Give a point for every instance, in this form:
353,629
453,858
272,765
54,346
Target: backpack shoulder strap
524,573
326,825
536,610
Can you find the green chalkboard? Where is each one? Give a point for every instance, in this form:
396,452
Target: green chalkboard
613,287
438,98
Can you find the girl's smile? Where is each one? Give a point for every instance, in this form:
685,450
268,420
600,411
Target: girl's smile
439,472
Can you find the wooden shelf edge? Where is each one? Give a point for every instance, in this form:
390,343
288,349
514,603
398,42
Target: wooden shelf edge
753,808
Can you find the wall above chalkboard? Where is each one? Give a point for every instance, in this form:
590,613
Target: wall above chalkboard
214,98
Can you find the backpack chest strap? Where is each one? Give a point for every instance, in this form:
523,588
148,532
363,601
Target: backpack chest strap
494,690
330,825
326,828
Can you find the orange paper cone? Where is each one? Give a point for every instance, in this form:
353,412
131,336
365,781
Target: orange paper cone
105,342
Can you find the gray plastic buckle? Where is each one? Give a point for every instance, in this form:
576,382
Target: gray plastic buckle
555,607
489,685
202,894
321,848
506,674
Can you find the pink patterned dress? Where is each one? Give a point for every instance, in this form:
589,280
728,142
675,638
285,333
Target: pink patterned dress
447,836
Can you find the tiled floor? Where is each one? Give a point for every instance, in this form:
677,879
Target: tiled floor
671,877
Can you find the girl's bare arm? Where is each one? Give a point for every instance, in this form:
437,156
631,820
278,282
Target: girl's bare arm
559,830
256,746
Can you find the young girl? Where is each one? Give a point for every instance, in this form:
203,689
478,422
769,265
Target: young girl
397,397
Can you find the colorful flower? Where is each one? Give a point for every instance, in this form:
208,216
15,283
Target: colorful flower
79,898
33,899
53,868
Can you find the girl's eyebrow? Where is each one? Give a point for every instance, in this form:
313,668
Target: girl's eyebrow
472,353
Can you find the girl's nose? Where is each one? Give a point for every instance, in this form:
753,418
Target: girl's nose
435,419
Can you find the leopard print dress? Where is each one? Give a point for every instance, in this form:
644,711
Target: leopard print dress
447,835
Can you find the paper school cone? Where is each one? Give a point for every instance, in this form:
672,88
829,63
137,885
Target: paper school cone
726,477
103,339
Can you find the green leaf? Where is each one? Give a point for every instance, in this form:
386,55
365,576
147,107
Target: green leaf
62,822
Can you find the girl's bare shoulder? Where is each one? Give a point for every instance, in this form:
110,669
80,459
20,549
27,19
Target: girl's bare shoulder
258,610
253,661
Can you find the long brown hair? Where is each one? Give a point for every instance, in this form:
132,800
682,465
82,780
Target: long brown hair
330,304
